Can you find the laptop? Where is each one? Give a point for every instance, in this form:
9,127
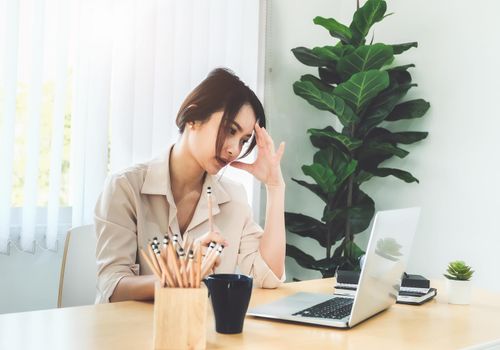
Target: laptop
387,253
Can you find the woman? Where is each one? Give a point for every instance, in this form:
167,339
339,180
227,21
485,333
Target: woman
215,121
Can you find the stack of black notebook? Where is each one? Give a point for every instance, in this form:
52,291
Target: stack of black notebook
415,289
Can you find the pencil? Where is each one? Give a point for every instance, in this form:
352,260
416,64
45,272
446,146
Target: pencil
183,270
197,270
175,238
190,268
173,264
152,256
149,263
211,246
209,265
176,268
164,269
209,201
156,252
164,247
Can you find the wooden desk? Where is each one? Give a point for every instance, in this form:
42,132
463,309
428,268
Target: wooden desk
128,325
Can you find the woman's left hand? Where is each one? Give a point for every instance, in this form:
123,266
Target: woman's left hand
266,167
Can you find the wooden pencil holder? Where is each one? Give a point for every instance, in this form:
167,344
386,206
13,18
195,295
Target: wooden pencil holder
180,318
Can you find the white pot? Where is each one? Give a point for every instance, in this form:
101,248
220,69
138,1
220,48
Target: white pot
459,292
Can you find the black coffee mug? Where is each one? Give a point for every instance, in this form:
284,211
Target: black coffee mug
230,294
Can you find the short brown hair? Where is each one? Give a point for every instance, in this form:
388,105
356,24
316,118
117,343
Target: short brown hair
221,90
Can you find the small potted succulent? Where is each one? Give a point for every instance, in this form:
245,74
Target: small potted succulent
458,277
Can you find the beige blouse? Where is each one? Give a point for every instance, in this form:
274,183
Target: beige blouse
137,204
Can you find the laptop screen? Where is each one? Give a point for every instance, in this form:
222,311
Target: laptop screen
387,254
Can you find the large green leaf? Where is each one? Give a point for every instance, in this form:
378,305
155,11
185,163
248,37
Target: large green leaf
320,84
341,160
400,48
365,58
399,84
325,266
313,188
370,159
306,226
408,137
321,56
329,75
341,163
359,214
400,174
303,259
409,110
372,153
324,101
339,50
394,71
362,176
323,176
309,57
373,147
383,104
361,88
377,113
330,53
368,163
325,156
336,160
329,134
336,29
364,18
404,137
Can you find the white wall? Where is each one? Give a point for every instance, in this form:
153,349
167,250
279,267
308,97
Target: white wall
456,165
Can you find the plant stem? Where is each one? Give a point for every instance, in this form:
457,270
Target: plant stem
357,4
328,244
348,235
349,204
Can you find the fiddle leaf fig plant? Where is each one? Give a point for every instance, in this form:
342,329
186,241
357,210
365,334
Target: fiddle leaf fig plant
363,88
459,271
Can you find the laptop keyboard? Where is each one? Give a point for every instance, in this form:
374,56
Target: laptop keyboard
336,308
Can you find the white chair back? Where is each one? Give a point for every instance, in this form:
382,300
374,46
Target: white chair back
77,282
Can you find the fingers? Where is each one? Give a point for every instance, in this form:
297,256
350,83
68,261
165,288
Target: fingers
265,140
217,262
269,140
258,136
280,151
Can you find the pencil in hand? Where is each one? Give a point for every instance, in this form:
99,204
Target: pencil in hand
180,265
209,201
211,261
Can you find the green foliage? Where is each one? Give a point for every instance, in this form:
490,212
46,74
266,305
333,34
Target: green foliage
459,271
363,88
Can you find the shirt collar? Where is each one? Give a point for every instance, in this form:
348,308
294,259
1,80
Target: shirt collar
157,182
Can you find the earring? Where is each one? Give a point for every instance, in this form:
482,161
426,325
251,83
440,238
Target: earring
191,125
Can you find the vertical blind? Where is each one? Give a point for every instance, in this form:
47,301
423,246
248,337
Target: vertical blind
88,87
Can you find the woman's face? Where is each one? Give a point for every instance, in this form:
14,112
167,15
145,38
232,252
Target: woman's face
203,139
